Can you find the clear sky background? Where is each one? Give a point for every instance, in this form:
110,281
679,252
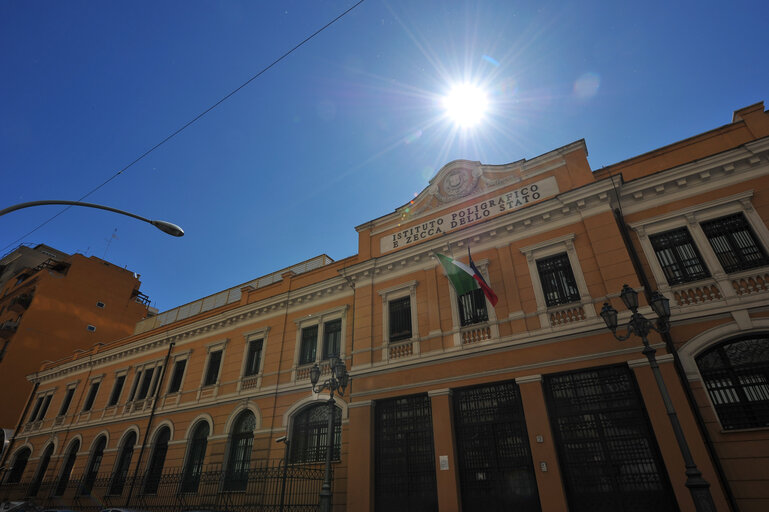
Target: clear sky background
344,130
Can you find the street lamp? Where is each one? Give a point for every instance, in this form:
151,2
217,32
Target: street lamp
285,441
166,227
337,381
641,326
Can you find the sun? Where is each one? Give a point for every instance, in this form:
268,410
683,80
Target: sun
466,104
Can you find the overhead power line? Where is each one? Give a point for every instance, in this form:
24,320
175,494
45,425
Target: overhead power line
193,120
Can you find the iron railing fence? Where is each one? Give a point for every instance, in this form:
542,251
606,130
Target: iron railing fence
263,491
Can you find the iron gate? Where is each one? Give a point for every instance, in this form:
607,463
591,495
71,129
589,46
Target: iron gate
495,466
609,458
405,459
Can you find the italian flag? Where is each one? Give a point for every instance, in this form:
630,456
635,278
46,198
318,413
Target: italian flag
466,278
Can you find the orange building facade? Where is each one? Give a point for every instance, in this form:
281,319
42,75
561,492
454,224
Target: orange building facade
52,303
454,404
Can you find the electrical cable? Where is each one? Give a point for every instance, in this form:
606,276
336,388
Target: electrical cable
189,123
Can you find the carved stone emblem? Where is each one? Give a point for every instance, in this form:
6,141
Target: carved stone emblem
457,183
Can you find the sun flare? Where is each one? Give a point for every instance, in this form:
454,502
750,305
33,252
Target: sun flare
466,104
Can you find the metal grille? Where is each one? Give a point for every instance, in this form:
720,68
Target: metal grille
495,465
400,318
678,256
404,456
157,460
239,459
736,375
66,471
19,465
472,307
197,452
124,462
42,467
93,466
734,243
309,434
609,459
557,280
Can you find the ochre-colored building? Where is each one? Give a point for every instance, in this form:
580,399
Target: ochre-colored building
454,404
51,304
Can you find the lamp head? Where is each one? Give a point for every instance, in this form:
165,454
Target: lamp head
167,227
314,374
342,375
630,297
661,305
609,315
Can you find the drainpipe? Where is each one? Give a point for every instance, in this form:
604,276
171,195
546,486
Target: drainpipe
149,422
671,348
16,432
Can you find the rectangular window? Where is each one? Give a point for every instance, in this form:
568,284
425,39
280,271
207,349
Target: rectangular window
91,396
400,318
472,307
156,382
309,345
144,387
135,386
116,390
35,409
176,378
557,278
44,408
212,373
734,243
67,400
254,357
678,256
332,338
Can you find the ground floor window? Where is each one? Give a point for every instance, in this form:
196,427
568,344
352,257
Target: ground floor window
494,457
404,455
609,457
309,434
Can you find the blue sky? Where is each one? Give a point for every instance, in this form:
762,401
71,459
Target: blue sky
344,130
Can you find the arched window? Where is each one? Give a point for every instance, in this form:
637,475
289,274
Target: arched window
42,467
736,375
92,471
19,465
66,470
195,455
239,459
158,458
123,463
309,434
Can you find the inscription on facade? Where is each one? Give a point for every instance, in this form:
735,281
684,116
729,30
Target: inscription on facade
477,212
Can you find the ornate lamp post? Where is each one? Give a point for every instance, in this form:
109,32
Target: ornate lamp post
337,381
641,326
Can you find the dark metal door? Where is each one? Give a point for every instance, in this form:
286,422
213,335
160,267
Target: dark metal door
495,466
404,455
608,455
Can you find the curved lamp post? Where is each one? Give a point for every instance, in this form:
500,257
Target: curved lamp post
166,227
641,326
337,381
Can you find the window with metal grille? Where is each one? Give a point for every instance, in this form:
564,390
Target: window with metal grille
678,256
116,390
472,308
193,468
736,375
42,467
254,357
332,338
120,474
309,345
92,471
19,465
176,378
92,392
608,455
67,401
400,318
309,434
557,278
66,470
157,460
212,372
404,459
239,458
494,457
734,243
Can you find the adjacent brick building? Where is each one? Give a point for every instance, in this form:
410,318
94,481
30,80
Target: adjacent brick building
452,404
